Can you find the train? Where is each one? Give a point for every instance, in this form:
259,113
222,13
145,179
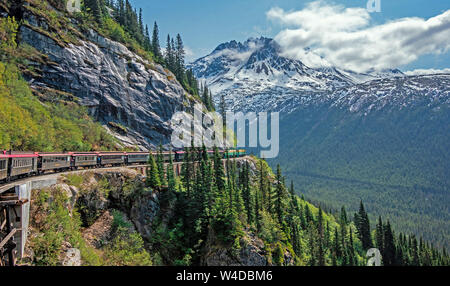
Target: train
15,165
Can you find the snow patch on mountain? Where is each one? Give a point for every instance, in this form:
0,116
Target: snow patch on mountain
255,76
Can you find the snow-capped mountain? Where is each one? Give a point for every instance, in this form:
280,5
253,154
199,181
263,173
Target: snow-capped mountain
379,135
253,73
254,76
395,92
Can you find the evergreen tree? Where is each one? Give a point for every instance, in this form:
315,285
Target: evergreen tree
155,41
308,214
121,12
206,96
153,180
337,243
294,200
170,58
379,235
174,57
279,196
312,245
389,246
343,222
343,218
160,164
170,175
351,249
141,22
246,192
363,227
219,172
94,7
187,172
147,43
302,217
179,58
258,217
320,240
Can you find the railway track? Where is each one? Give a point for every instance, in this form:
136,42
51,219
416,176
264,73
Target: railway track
7,186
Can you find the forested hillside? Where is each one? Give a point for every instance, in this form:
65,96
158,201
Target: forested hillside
396,160
380,136
238,214
46,122
41,106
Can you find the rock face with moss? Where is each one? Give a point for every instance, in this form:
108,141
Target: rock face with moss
133,97
251,253
111,218
85,219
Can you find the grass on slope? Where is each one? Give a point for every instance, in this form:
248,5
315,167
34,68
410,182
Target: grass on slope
26,123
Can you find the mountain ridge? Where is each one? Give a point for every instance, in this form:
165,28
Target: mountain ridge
380,136
257,68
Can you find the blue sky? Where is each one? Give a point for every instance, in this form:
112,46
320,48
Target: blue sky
204,24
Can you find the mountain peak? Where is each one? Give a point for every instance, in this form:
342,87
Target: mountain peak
256,73
259,61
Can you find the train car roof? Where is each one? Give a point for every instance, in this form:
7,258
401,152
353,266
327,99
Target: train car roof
21,156
84,154
53,154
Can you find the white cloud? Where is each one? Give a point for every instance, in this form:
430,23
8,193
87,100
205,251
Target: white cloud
428,71
189,54
236,55
346,38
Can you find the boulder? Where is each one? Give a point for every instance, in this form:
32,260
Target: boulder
72,257
251,253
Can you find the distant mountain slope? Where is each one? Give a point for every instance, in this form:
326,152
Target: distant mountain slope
397,161
386,142
255,76
379,136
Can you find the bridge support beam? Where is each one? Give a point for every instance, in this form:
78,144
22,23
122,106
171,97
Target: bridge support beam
14,217
21,217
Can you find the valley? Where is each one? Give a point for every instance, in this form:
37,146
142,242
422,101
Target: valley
381,137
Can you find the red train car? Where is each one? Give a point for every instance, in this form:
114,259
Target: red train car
3,167
21,164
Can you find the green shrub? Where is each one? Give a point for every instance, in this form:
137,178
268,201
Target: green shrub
127,249
74,180
59,225
27,124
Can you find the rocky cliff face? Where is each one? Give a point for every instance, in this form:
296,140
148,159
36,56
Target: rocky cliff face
120,88
100,193
96,197
251,253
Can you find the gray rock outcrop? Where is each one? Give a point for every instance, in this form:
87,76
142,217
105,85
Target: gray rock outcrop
72,257
251,253
118,86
